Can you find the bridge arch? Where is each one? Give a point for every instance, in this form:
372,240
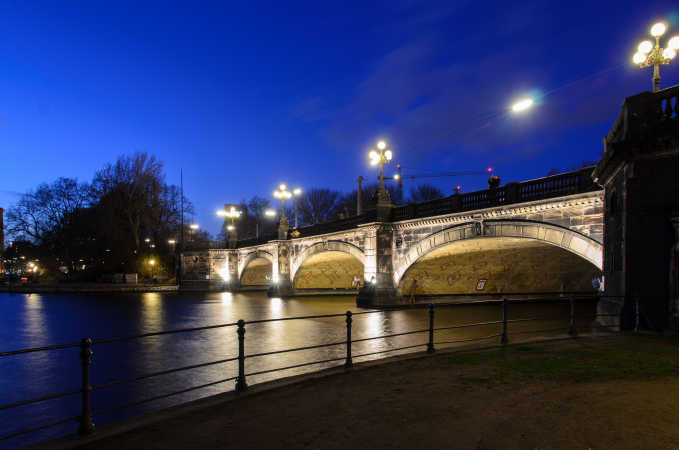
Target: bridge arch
252,256
569,240
322,247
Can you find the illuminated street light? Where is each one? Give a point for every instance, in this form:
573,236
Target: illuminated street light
522,105
270,213
381,158
283,194
152,263
194,226
648,55
171,241
231,213
297,192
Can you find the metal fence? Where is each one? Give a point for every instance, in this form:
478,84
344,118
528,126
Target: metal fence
85,418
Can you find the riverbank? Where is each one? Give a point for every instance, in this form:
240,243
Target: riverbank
87,288
592,392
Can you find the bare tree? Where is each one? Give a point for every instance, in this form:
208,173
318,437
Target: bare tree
424,192
42,214
133,185
318,205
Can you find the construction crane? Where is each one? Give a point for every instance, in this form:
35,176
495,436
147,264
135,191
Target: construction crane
398,176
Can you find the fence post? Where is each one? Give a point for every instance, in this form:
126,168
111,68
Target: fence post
430,344
636,314
86,425
348,363
572,330
503,336
241,385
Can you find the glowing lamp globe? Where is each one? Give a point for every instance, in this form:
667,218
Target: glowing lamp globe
674,43
669,53
381,145
638,58
645,47
658,29
522,105
388,155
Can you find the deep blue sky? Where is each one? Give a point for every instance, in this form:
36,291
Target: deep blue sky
244,95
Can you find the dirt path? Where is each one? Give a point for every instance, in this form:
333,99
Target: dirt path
605,393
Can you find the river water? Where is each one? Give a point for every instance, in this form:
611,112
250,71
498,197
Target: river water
34,320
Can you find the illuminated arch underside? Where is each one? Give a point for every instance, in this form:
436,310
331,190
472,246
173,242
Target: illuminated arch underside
257,273
328,270
509,265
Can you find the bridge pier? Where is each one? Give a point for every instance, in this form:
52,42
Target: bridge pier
639,173
282,285
378,289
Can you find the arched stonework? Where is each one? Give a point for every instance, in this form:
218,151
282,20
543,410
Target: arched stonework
325,246
248,258
572,241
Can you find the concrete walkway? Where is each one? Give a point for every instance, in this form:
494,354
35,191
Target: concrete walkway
616,392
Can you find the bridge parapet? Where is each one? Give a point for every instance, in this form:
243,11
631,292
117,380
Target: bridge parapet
539,189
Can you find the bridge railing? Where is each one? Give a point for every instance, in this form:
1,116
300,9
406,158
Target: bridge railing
539,189
559,185
501,331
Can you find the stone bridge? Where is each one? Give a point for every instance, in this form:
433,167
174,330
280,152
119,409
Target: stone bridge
537,235
541,235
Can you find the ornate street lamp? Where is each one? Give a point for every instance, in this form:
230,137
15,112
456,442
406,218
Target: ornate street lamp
381,158
283,194
231,213
383,199
297,192
649,55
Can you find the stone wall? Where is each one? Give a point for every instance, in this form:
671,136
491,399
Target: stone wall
508,264
257,273
328,270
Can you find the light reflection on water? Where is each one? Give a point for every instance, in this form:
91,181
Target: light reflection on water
38,320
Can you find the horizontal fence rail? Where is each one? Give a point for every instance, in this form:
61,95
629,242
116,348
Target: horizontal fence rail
86,426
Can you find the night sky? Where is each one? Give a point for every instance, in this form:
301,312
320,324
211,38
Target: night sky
244,95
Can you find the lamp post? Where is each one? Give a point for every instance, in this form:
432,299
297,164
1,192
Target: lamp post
231,213
269,213
648,55
383,200
283,194
152,263
381,158
296,192
193,227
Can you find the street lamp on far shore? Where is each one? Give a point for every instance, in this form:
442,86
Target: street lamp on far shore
297,192
152,263
649,55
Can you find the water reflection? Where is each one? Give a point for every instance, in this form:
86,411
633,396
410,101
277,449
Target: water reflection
276,305
36,327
